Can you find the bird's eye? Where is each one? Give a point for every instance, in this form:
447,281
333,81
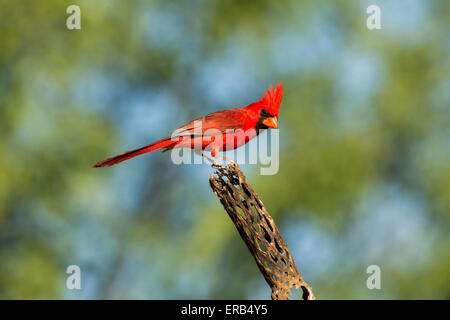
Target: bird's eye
264,112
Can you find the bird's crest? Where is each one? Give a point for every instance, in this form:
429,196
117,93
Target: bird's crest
272,99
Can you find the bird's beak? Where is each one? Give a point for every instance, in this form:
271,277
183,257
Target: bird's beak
270,122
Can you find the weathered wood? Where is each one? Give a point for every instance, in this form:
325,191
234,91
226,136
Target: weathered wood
259,232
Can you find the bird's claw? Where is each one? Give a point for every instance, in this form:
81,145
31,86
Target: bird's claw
233,163
216,165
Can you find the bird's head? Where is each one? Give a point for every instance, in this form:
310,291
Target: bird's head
268,107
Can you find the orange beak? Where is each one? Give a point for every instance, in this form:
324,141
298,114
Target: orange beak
270,122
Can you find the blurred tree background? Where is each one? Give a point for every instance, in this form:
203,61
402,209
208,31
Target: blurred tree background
364,162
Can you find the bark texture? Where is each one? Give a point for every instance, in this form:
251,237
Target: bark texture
259,232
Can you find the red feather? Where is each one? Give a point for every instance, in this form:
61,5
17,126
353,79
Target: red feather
272,99
240,120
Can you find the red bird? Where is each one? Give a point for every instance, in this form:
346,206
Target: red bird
218,131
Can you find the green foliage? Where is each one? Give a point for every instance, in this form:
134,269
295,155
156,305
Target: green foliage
365,112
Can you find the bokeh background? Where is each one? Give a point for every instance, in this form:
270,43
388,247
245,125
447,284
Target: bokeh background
365,145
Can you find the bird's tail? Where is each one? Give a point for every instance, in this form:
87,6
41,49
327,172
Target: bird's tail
167,143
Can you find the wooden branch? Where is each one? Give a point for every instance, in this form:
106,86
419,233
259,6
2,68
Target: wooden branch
259,232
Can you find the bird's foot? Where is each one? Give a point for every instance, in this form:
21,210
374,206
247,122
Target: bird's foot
232,163
216,165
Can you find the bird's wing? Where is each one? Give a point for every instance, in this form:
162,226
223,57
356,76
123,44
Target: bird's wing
233,119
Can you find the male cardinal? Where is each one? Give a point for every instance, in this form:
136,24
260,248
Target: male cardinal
219,131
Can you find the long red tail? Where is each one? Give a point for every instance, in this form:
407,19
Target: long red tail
164,143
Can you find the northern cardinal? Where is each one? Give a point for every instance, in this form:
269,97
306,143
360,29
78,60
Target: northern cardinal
219,131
